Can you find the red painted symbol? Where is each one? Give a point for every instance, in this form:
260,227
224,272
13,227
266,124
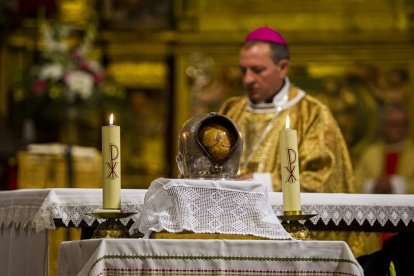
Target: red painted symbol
292,159
113,153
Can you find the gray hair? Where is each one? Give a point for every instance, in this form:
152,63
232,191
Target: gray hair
278,51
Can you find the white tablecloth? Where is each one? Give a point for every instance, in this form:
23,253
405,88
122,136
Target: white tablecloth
26,215
23,252
37,208
205,257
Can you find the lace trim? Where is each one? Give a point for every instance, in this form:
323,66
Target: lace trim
361,213
38,213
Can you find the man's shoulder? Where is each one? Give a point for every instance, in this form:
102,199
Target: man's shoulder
233,102
310,102
313,110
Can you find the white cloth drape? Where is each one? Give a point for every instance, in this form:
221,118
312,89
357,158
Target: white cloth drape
209,206
23,252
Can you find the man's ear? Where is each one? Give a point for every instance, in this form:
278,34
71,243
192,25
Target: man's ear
284,67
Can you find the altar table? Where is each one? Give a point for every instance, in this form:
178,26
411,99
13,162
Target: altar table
205,257
42,209
27,215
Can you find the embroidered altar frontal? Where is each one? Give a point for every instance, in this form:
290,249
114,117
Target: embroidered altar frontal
206,257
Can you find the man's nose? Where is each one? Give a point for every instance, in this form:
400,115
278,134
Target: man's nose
248,77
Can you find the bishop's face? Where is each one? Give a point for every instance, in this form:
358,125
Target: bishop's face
261,76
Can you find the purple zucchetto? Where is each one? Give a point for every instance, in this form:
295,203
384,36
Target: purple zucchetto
266,34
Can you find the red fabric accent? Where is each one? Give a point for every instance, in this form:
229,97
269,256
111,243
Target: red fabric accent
12,178
386,236
391,161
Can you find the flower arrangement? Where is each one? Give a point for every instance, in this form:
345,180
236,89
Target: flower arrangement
65,87
67,73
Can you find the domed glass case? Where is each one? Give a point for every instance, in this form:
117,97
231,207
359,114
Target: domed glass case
209,147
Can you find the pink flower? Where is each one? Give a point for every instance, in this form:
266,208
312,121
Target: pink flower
77,56
98,76
84,66
39,86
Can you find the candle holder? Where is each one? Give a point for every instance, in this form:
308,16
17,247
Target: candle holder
291,223
112,227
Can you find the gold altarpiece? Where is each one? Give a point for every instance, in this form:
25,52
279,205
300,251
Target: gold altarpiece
183,60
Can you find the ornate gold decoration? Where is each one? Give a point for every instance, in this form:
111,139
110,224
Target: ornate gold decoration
76,11
297,230
139,74
112,227
290,213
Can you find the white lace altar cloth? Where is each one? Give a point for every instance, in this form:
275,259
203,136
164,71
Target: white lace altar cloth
361,208
209,206
37,208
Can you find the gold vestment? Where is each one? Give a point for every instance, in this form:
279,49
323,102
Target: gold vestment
324,162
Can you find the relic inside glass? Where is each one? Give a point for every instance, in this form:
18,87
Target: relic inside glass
210,146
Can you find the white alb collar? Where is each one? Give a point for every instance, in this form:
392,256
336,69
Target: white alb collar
280,100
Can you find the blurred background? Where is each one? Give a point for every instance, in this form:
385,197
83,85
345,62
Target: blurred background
66,65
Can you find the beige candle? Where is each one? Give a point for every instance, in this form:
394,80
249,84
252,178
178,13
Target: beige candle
111,162
289,159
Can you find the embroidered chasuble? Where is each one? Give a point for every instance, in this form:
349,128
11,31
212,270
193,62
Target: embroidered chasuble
254,125
324,162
